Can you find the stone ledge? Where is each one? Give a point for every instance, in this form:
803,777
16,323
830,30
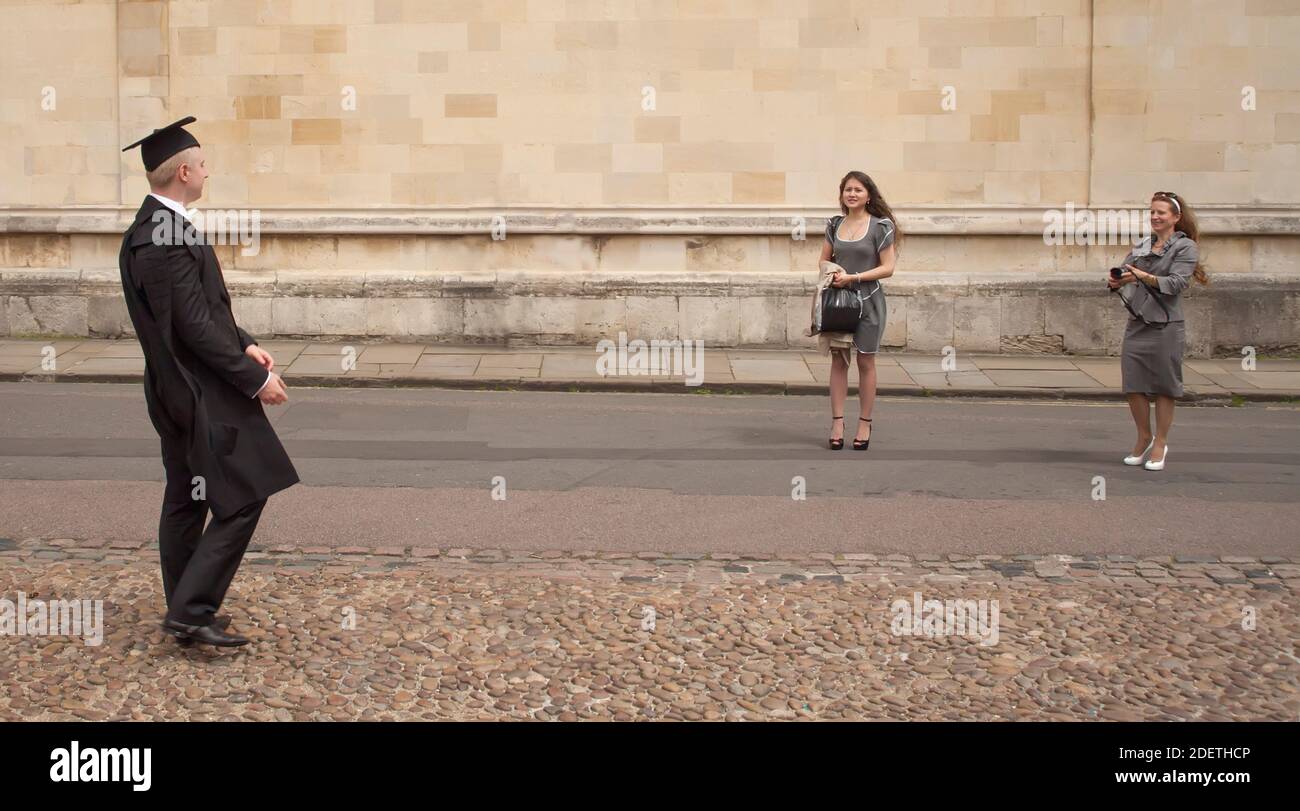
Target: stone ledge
409,283
920,220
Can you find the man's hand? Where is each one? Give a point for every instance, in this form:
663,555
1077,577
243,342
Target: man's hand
273,392
260,355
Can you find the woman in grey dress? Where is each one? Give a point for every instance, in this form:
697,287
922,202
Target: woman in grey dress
1160,268
862,241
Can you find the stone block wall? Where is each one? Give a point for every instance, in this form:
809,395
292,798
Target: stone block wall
525,290
651,143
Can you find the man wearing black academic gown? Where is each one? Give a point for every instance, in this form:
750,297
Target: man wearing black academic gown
205,383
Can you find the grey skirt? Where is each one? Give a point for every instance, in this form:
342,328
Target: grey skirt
1151,361
871,327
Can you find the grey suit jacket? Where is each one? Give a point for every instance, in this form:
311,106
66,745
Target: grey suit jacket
1173,264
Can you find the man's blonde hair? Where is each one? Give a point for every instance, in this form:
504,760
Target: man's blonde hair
167,170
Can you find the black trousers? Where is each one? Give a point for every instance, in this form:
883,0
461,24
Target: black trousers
198,564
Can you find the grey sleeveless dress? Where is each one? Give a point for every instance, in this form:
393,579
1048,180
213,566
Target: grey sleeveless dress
859,256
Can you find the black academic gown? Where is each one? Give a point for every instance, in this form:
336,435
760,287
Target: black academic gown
199,385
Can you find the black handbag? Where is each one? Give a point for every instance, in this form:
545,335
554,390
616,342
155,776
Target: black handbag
841,309
1128,305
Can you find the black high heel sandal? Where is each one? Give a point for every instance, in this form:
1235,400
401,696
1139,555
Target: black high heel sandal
864,444
836,444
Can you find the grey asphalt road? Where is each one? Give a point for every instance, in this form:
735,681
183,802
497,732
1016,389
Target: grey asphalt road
681,473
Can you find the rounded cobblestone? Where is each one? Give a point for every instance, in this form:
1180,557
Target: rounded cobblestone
436,641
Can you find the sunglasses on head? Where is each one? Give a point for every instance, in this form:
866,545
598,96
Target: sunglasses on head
1171,197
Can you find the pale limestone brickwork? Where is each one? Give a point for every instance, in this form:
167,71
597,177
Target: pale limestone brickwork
562,102
634,139
58,106
1199,96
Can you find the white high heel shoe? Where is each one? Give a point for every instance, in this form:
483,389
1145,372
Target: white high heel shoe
1137,460
1154,465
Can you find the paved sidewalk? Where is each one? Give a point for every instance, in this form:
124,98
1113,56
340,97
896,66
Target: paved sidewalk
769,371
468,635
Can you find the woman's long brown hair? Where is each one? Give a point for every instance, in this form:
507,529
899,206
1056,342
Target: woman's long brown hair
1186,223
876,205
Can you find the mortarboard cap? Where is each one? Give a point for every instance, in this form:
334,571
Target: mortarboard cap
163,143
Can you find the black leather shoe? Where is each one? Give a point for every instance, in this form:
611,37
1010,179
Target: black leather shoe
205,634
219,621
862,444
836,444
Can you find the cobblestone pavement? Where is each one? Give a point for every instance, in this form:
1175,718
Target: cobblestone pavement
483,634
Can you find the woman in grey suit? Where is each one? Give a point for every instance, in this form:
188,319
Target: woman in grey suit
1160,268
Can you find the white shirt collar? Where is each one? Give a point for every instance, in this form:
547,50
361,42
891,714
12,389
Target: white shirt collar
172,204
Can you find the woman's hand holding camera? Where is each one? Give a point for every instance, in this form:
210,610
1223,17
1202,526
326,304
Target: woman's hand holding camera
1128,276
